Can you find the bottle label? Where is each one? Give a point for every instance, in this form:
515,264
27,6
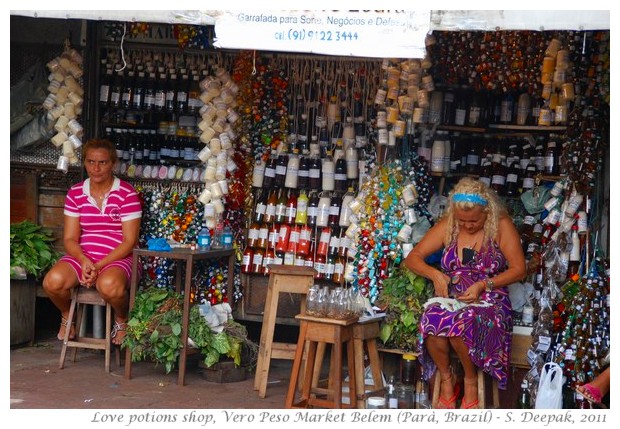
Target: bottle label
528,183
498,179
473,159
459,116
512,178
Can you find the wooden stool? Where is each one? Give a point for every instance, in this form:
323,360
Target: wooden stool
317,331
80,297
366,332
482,378
282,278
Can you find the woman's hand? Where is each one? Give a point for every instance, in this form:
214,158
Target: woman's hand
441,281
89,273
472,293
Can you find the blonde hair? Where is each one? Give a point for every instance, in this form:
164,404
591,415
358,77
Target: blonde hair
494,208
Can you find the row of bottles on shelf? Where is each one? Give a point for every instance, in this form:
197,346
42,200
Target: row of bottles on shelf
328,250
467,108
508,165
294,171
298,207
150,88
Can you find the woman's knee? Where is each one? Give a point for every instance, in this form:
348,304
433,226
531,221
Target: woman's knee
57,280
112,285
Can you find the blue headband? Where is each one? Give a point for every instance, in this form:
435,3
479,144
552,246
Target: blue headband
469,198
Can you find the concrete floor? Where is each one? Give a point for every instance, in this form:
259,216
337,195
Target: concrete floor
37,382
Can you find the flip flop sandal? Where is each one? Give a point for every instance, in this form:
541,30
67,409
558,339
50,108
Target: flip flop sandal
64,322
591,393
450,403
118,327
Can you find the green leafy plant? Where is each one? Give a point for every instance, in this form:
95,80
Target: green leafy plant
403,295
32,249
154,331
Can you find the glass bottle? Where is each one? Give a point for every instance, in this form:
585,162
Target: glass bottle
313,204
390,393
304,167
193,95
116,90
149,92
280,214
507,108
523,109
498,173
314,173
447,108
473,160
280,176
270,173
523,402
159,102
539,158
475,114
513,178
485,173
128,87
460,112
327,173
551,161
171,92
246,260
105,86
529,177
340,175
270,209
181,104
291,208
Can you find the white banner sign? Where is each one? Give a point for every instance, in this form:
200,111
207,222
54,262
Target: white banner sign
381,34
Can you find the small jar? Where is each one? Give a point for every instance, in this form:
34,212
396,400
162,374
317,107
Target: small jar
375,402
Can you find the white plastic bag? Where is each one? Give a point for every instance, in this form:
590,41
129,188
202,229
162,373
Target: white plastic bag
549,394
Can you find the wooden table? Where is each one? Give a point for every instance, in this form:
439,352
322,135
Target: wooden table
187,256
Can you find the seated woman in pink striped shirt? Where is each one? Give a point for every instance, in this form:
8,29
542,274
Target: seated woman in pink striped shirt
101,228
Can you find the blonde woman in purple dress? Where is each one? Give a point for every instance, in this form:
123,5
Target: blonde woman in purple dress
482,255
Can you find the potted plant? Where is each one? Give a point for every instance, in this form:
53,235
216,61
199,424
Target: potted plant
32,254
403,295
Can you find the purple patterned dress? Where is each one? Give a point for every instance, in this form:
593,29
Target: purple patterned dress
486,331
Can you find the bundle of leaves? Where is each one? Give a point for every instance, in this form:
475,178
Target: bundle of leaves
154,331
402,298
32,249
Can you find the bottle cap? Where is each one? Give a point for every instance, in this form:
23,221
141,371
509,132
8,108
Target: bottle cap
409,356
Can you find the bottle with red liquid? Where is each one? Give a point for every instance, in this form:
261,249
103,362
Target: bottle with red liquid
323,244
257,261
305,240
284,232
246,260
263,235
268,259
253,234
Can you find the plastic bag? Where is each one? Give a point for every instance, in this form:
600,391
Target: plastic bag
549,394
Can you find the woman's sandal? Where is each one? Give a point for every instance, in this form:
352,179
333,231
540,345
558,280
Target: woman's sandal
591,393
472,404
450,403
118,327
65,323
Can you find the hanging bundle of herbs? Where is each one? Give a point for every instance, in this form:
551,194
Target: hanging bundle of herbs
154,331
403,295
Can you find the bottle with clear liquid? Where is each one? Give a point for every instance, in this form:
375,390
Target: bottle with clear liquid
391,400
